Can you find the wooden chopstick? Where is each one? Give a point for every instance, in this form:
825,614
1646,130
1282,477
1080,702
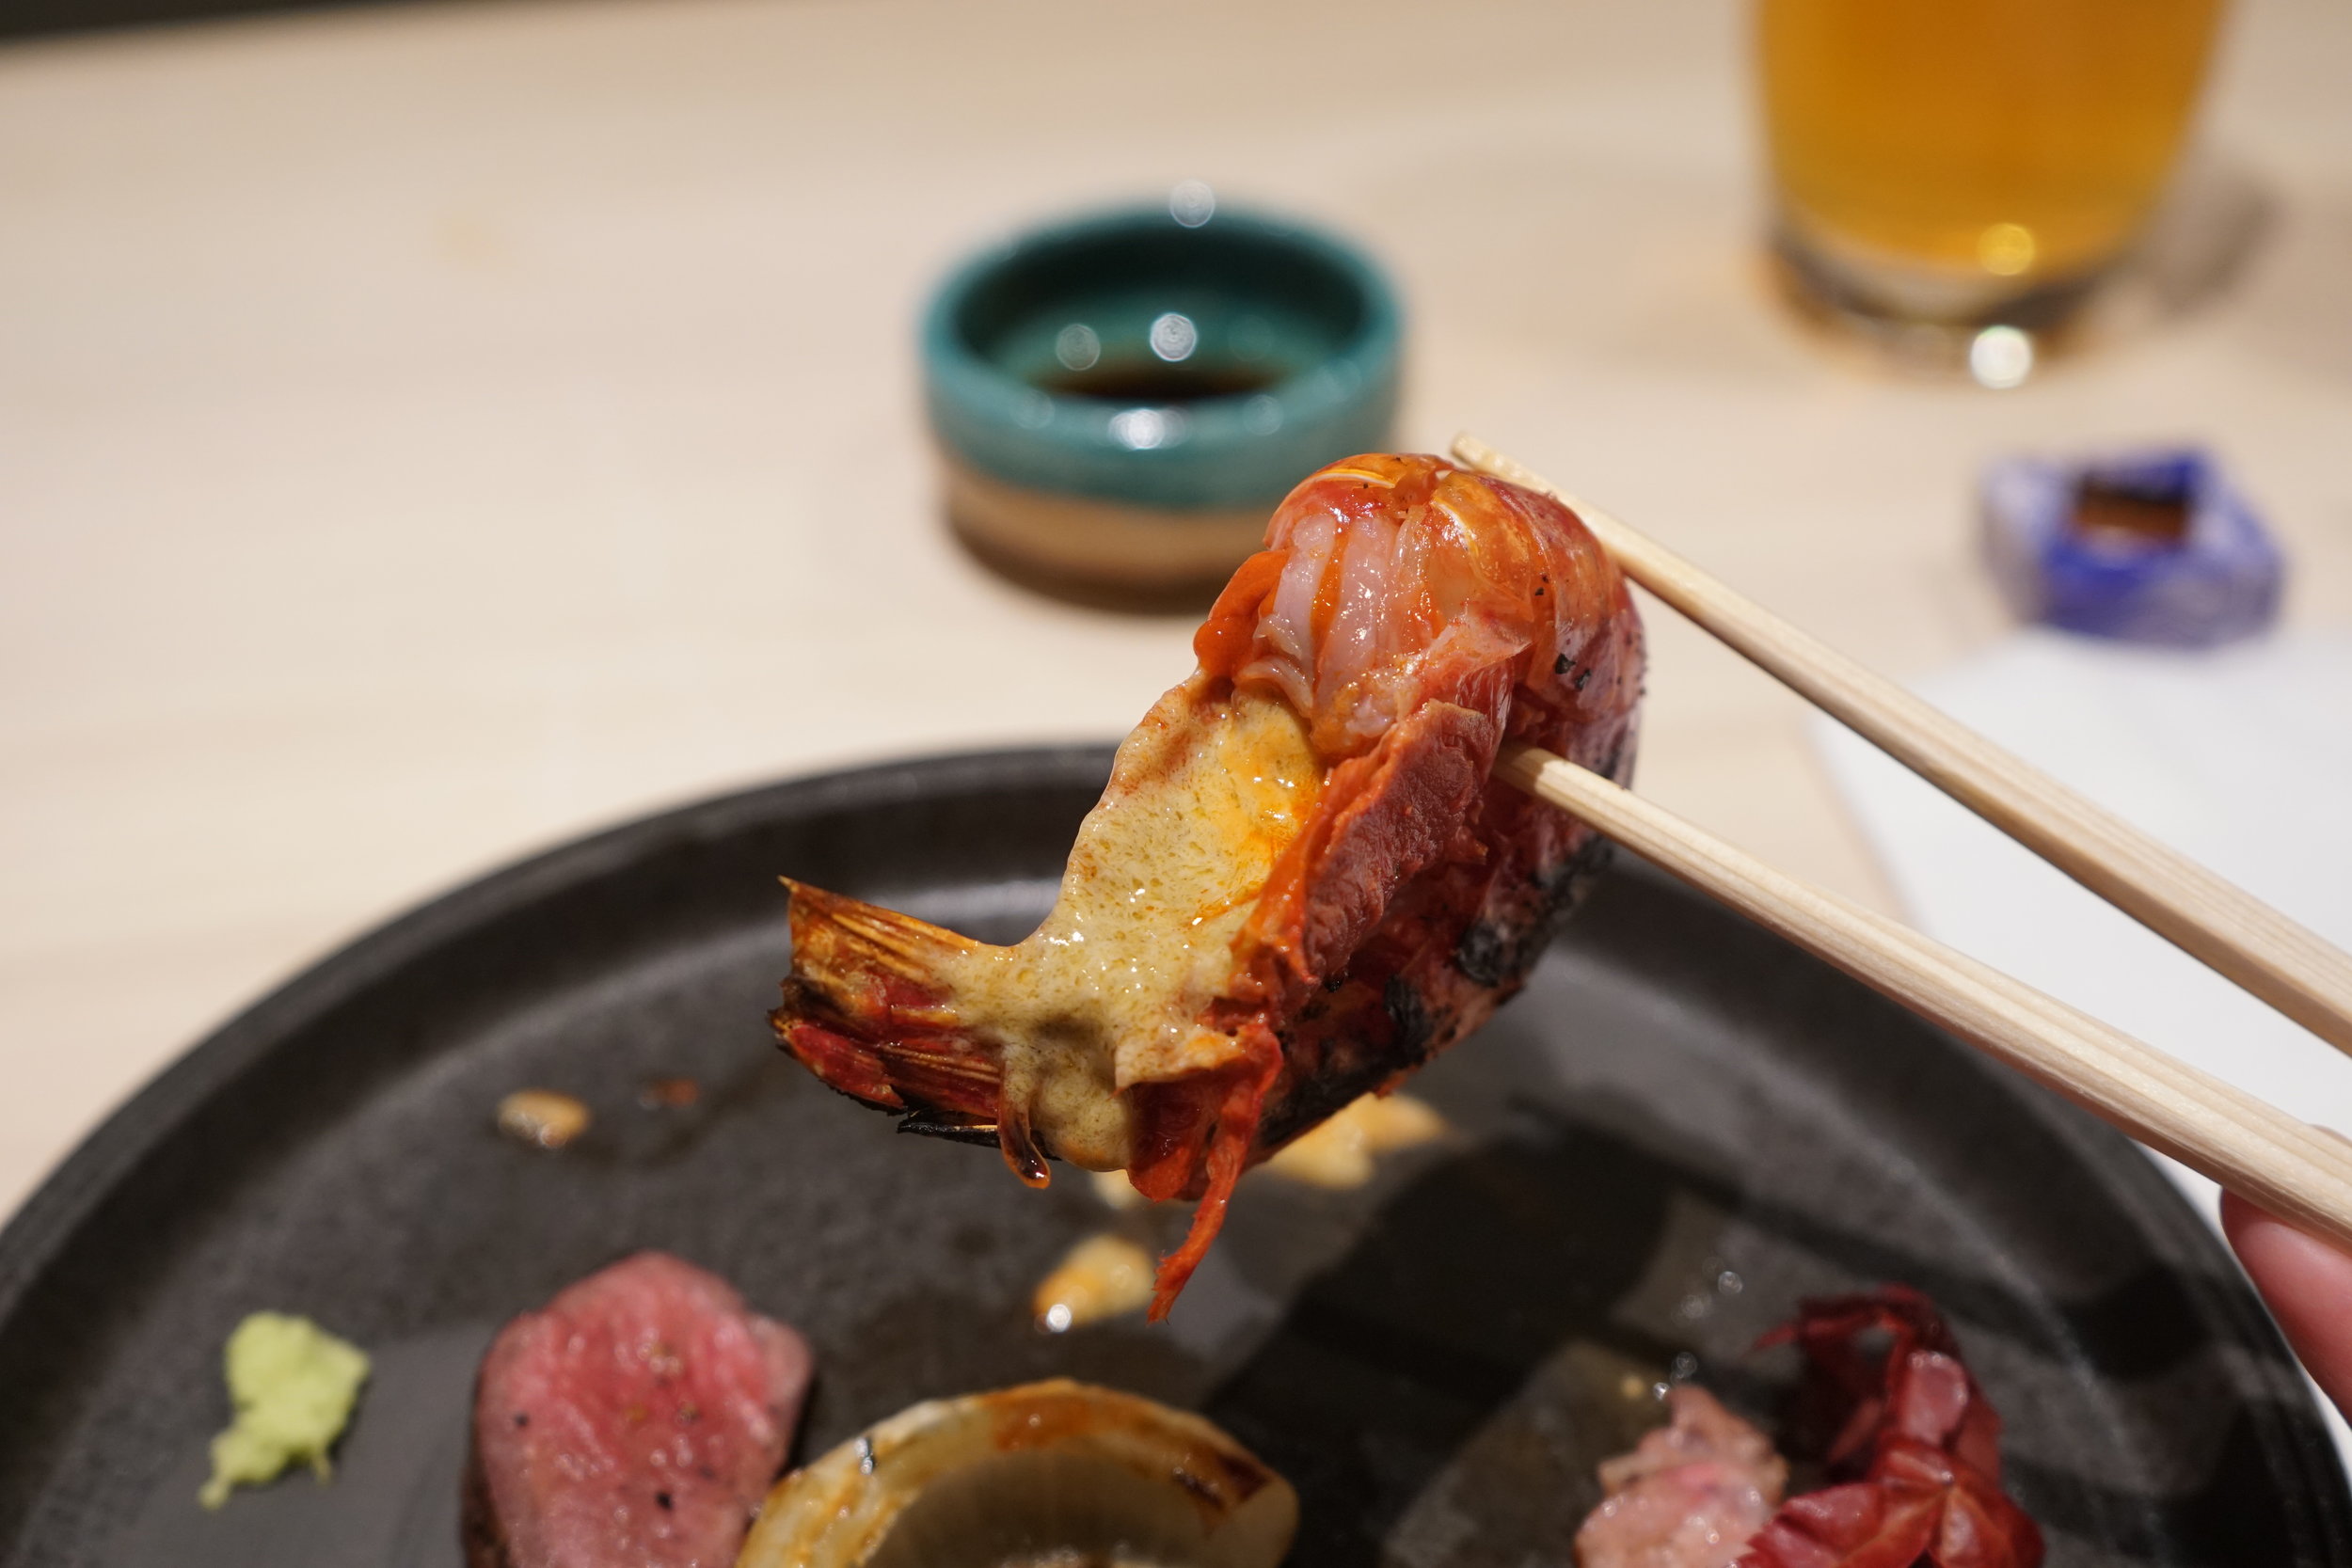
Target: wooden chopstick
2211,919
2297,1171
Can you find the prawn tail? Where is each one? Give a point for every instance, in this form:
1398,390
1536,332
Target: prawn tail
869,1008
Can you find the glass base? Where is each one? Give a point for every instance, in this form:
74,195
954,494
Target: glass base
1935,322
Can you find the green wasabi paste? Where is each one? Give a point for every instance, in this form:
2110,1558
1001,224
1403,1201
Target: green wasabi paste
293,1385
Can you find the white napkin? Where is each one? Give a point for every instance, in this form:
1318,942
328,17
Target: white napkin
2241,758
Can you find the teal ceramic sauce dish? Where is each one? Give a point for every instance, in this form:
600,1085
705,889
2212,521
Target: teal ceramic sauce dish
1120,401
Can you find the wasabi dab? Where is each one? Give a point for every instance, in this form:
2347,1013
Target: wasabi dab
293,1385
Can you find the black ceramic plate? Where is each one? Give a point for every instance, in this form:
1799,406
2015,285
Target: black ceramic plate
1679,1129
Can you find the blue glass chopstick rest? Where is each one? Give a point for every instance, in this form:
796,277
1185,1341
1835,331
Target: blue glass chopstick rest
2152,547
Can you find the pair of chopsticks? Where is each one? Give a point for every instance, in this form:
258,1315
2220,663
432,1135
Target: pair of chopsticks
2297,1171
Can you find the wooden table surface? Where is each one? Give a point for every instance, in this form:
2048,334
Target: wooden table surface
426,433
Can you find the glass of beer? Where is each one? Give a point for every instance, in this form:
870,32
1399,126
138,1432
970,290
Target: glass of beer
1944,167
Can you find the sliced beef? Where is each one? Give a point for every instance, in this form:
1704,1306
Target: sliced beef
1690,1496
635,1421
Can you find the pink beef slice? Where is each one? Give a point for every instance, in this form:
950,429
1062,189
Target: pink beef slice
633,1422
1690,1496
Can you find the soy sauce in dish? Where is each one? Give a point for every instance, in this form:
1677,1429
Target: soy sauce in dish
1155,382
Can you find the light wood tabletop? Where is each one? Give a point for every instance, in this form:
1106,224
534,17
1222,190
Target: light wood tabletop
426,433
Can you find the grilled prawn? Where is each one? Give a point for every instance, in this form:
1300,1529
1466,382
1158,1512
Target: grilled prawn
1918,1451
1300,884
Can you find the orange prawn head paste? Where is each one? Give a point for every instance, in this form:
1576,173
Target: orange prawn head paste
1300,883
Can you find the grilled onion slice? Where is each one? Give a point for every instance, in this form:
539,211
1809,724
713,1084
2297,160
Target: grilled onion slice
1054,1472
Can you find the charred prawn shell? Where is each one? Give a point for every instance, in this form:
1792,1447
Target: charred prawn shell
1916,1445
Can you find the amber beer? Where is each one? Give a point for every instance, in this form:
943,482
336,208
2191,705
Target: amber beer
1945,153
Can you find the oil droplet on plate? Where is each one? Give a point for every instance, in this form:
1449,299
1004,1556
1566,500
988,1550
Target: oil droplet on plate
1340,1153
542,1117
1103,1276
